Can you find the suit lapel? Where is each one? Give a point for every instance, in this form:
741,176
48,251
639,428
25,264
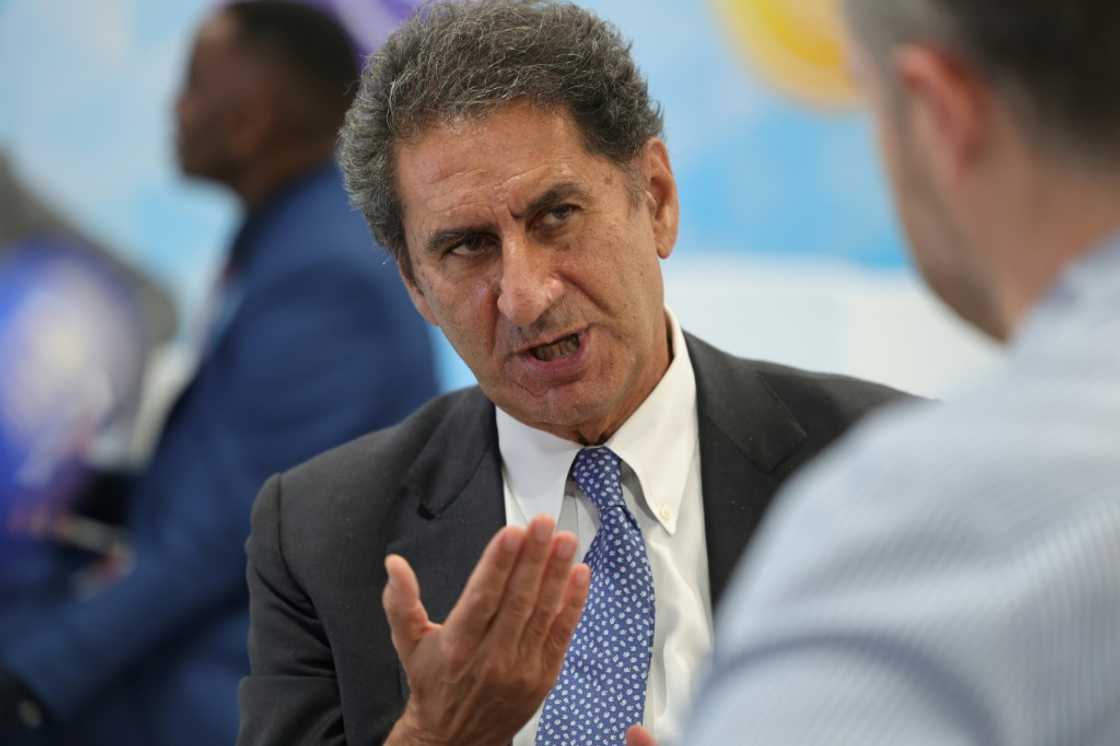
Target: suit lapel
745,433
452,498
454,505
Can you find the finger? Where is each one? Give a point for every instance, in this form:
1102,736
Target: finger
523,590
564,626
467,623
550,597
408,620
639,736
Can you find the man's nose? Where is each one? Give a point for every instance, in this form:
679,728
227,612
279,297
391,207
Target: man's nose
529,285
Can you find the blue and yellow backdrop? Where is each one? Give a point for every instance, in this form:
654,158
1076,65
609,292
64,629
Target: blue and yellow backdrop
788,248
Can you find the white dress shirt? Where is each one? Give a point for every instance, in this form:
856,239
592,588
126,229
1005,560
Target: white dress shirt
660,448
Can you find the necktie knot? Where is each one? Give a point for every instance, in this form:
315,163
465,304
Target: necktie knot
598,472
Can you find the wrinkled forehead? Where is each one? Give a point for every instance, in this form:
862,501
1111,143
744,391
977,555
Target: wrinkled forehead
505,157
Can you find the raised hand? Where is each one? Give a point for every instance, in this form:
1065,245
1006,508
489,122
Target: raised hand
477,678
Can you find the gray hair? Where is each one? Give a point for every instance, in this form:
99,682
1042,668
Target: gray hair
1056,62
458,60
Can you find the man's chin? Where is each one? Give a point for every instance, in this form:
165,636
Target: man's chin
186,168
189,167
564,413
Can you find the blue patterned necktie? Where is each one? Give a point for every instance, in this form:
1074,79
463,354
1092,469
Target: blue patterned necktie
601,690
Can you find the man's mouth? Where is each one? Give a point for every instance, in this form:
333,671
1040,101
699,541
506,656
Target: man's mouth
561,348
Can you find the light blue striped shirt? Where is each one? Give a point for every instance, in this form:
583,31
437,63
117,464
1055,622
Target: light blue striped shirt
949,574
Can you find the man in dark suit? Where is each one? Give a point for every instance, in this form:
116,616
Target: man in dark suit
312,341
509,155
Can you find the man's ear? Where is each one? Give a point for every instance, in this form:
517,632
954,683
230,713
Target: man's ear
947,108
417,295
661,195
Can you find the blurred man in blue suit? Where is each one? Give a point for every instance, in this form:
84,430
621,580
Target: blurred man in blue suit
311,341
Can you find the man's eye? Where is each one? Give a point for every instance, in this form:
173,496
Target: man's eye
558,216
470,246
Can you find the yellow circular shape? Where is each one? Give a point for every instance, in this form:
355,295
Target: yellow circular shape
796,45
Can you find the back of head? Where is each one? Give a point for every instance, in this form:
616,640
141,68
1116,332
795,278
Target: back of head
313,50
458,60
1056,62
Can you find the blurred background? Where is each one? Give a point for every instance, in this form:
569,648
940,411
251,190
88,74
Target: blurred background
788,248
115,294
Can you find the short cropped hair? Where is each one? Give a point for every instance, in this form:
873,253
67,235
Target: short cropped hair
315,51
1057,62
458,60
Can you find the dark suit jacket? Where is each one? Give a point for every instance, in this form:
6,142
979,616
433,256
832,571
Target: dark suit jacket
323,346
323,667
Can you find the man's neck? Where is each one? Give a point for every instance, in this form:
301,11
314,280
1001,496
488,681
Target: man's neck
1070,214
271,173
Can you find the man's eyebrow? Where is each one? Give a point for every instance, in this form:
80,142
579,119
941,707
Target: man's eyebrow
554,196
452,236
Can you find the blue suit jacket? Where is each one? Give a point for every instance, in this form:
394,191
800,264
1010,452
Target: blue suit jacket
321,346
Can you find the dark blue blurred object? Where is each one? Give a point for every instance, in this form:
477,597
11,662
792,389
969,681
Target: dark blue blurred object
71,350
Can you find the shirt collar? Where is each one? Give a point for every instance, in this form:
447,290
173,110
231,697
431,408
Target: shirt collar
1089,287
657,442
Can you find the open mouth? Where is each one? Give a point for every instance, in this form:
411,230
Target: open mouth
561,348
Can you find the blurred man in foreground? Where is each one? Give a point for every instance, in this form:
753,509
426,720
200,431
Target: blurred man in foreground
311,341
951,575
509,155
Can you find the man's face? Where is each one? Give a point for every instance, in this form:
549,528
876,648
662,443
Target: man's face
540,262
210,102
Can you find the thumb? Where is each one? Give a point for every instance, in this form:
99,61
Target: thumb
408,619
639,736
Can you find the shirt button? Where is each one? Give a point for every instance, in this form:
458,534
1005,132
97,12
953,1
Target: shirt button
665,514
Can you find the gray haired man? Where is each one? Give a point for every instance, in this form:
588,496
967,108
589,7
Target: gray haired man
509,156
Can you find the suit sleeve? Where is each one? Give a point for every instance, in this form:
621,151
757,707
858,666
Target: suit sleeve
291,696
315,358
